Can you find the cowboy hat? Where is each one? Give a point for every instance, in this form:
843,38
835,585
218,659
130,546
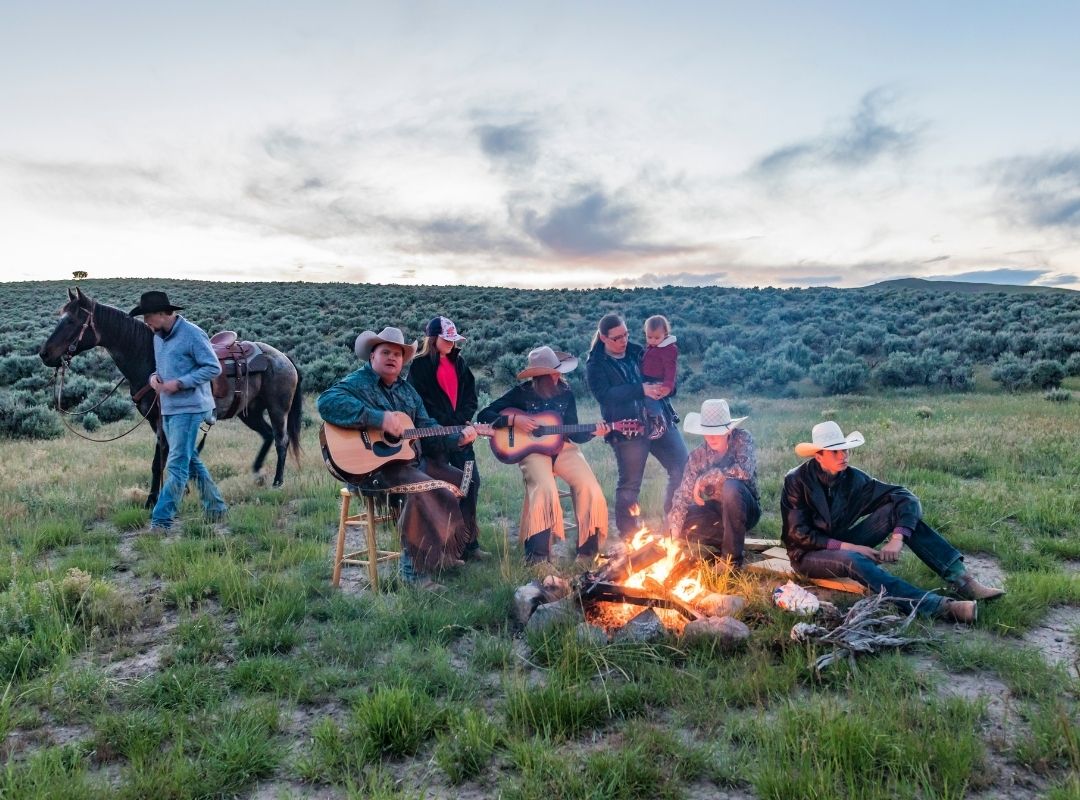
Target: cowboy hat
444,329
828,436
714,419
369,340
545,361
153,302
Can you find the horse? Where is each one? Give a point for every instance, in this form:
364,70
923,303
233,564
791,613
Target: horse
85,324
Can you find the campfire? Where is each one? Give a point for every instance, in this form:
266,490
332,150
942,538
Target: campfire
652,571
649,587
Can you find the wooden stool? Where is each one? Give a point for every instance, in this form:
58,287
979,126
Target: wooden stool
569,520
370,520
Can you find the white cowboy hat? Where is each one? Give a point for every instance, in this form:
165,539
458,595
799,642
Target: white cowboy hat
714,419
828,436
545,361
369,340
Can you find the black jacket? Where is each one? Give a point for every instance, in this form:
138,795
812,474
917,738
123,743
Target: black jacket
812,512
617,398
422,377
524,397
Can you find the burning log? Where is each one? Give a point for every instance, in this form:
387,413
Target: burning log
602,592
623,566
682,607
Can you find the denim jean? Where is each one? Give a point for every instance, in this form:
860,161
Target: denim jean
183,464
721,525
926,543
630,456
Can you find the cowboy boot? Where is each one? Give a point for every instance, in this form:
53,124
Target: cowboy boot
538,547
966,611
588,550
970,589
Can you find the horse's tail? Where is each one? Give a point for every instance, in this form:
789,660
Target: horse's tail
296,417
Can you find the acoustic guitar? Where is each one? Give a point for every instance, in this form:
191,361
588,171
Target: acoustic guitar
511,444
353,454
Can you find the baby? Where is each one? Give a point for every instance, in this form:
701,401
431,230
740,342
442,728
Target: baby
659,364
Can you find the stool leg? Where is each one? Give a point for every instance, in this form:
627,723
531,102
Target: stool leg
372,545
339,551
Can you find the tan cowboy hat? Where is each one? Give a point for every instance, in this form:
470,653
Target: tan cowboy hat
545,361
828,436
369,340
714,419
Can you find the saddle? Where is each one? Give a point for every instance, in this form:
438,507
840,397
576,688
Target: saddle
238,359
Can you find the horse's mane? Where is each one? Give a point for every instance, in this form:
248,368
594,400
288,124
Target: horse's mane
119,327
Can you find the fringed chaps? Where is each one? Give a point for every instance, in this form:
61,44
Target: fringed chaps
432,528
541,508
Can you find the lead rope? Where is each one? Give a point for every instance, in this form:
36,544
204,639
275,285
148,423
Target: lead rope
59,407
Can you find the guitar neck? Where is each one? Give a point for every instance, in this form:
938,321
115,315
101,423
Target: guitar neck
439,430
563,430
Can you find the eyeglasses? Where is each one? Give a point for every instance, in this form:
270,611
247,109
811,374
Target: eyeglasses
622,337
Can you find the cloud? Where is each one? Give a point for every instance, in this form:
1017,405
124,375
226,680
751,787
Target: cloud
1005,275
654,280
587,223
1059,279
514,146
1042,191
865,138
468,236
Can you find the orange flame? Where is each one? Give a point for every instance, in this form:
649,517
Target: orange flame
686,589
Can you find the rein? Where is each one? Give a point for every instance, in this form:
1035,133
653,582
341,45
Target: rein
61,371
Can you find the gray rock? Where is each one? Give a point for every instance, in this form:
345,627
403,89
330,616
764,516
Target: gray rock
526,600
535,593
554,588
548,615
720,605
728,631
590,634
645,627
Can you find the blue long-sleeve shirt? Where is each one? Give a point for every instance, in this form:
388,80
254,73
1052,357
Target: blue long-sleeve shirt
185,354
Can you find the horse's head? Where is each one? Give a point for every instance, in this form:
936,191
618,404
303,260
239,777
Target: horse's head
74,333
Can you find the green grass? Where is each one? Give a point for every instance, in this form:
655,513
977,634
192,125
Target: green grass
202,663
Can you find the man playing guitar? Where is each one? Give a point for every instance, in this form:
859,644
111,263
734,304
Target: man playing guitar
545,390
433,532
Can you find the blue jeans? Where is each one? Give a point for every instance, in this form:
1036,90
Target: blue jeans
630,456
721,525
183,464
926,543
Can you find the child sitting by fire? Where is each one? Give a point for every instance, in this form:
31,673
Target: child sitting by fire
717,501
659,364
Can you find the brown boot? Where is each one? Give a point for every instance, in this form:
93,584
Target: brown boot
959,611
970,589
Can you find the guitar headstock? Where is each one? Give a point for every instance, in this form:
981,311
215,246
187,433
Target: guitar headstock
628,427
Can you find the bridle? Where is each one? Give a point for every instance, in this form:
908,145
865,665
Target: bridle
65,360
89,323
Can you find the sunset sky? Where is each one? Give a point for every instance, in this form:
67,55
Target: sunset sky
541,144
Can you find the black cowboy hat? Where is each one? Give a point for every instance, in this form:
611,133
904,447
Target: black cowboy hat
152,302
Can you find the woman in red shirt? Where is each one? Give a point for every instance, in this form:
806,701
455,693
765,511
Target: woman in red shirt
446,385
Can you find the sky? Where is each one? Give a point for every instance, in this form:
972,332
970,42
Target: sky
542,144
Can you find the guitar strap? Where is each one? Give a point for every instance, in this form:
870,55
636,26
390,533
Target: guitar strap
426,486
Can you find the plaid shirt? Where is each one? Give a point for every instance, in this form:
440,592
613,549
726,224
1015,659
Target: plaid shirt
706,472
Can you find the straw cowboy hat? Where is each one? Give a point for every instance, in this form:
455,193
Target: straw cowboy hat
828,436
369,340
714,419
151,303
545,361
